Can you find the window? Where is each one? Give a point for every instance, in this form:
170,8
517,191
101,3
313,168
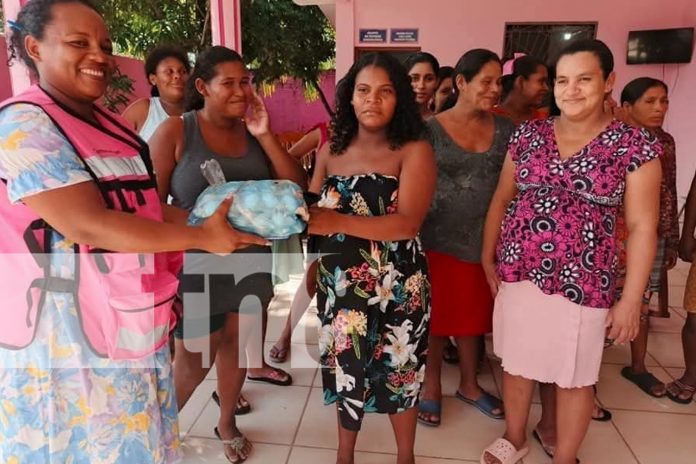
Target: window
543,40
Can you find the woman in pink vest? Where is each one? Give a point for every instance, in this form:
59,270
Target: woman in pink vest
85,373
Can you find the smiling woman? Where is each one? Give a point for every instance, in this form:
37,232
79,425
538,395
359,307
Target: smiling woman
216,126
167,69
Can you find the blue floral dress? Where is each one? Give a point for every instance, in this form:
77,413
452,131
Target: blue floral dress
59,402
374,307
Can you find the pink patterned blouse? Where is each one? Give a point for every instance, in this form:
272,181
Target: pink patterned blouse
559,231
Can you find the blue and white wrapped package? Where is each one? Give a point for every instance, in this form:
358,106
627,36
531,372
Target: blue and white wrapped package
272,209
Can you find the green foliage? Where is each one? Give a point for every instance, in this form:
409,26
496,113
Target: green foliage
281,38
117,94
138,26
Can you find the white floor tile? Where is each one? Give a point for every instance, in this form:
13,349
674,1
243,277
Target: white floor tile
275,414
615,392
301,455
621,354
291,424
658,438
666,349
195,405
207,451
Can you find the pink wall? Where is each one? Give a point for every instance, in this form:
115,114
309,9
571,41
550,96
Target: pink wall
135,70
291,113
448,28
5,86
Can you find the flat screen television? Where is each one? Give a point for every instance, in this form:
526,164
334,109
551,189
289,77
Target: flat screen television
660,46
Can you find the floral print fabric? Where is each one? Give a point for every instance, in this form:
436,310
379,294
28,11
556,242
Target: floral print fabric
51,409
560,230
374,307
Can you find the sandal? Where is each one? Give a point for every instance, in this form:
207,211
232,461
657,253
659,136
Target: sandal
504,451
604,414
548,449
677,395
645,381
237,444
431,407
275,381
243,406
279,355
485,403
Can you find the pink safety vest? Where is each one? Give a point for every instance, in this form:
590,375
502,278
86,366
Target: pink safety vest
124,301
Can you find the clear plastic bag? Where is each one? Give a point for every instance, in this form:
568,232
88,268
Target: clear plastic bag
272,209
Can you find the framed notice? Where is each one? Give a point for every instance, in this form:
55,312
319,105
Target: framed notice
404,35
373,35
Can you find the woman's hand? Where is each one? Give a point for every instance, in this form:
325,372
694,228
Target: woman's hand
687,246
324,221
257,121
221,238
623,321
491,276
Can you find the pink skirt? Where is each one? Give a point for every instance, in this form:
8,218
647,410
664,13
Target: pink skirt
547,338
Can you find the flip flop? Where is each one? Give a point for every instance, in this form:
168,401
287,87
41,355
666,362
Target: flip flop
429,407
271,380
486,403
279,355
240,410
691,390
237,444
645,381
605,415
505,452
549,450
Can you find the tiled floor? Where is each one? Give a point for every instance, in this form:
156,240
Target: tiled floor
290,425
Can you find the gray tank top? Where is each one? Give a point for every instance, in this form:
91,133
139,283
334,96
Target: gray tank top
187,181
466,182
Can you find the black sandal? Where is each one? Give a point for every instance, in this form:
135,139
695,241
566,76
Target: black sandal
645,381
683,388
239,411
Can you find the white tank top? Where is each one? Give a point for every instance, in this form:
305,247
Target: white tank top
155,116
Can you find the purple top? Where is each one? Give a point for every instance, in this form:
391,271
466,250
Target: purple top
559,230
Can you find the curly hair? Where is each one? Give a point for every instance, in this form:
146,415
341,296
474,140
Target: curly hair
159,54
406,125
32,20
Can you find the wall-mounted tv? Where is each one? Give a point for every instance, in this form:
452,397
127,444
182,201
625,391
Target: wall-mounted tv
660,46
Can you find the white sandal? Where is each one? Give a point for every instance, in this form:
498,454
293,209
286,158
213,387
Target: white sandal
504,451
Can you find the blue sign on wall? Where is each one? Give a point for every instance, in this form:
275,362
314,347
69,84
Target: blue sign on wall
404,35
373,35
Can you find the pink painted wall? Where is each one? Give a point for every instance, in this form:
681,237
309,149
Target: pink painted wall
135,70
291,113
5,86
448,28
